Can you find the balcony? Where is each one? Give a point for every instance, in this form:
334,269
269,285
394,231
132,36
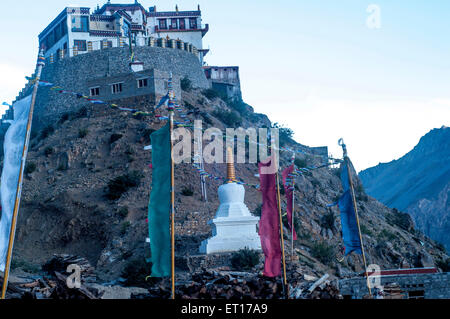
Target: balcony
204,29
100,33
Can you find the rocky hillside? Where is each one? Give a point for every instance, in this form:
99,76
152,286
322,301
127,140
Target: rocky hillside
88,183
418,183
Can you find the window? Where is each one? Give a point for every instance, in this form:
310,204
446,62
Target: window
95,91
81,44
80,24
193,23
162,24
142,83
116,88
64,27
182,24
174,23
106,44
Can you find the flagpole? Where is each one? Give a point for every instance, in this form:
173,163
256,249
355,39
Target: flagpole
355,207
40,65
281,235
172,187
292,217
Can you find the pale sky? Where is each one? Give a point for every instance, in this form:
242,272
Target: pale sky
314,66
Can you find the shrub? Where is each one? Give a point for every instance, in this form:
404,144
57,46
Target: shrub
285,133
65,117
300,163
188,105
328,220
207,119
257,211
361,193
187,191
211,94
123,211
47,131
323,252
24,265
115,137
48,151
135,272
124,227
365,230
444,264
402,220
82,133
146,134
30,167
231,119
245,259
441,247
186,84
120,185
82,112
386,234
239,106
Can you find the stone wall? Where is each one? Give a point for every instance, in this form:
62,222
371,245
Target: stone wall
157,85
434,286
76,74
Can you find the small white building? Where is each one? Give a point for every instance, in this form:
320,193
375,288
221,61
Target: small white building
77,31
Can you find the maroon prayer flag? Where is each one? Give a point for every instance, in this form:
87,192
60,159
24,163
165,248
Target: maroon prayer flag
269,224
289,192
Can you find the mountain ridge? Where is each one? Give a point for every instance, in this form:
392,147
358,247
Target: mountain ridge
417,182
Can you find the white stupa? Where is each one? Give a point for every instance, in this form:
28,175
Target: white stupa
234,227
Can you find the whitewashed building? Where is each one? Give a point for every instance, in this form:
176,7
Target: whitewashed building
76,30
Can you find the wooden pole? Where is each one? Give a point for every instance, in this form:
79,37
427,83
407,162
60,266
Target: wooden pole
293,210
40,65
281,236
172,187
355,207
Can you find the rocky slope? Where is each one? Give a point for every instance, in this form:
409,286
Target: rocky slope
418,183
67,206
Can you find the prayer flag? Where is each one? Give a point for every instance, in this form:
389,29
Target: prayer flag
269,224
159,206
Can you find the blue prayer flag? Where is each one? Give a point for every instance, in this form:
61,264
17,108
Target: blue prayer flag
350,232
163,101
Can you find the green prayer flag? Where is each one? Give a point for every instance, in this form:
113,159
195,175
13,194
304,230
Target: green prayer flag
159,206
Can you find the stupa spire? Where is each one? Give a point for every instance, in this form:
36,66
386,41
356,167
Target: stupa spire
231,172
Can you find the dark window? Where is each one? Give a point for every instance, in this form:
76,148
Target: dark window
174,23
182,24
64,27
193,23
116,88
57,33
95,91
81,44
142,83
163,24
